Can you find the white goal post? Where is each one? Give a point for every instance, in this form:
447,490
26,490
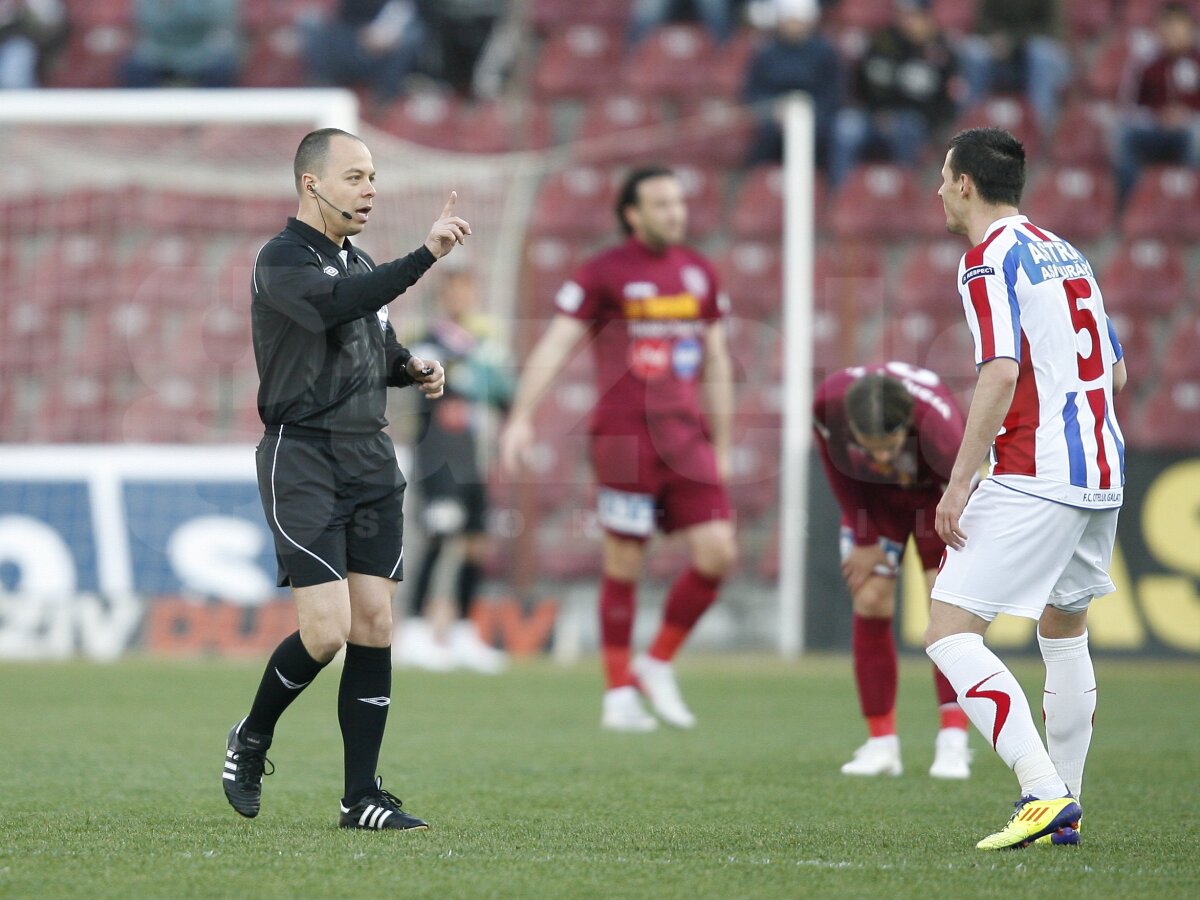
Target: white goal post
318,107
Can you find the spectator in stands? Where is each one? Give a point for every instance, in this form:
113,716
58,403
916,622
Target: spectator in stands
903,85
1162,117
1017,47
716,15
796,58
183,42
373,43
459,32
30,31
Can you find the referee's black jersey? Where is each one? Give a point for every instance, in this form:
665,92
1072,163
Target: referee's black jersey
322,342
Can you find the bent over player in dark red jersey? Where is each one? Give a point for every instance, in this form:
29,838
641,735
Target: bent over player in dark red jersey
653,312
888,437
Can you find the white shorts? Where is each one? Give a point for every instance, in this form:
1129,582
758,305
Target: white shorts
1024,553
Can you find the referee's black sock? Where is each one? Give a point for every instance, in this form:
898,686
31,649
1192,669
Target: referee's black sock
363,700
289,671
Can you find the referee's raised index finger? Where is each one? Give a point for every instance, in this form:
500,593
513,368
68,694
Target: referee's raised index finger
448,210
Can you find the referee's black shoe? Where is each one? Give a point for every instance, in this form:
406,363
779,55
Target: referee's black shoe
245,762
379,810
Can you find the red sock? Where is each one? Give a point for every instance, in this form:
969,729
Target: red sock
951,713
616,630
882,726
874,651
690,595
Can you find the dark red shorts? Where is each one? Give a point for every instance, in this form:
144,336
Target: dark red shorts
897,513
642,488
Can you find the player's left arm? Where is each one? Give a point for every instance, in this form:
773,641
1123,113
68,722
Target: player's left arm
404,369
993,396
718,392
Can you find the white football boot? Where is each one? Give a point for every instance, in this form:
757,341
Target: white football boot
952,757
657,679
418,647
472,652
878,756
623,711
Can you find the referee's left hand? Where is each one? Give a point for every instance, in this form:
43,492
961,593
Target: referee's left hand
431,384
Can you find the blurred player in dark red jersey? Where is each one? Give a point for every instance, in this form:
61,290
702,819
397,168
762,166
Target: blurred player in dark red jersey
660,431
888,437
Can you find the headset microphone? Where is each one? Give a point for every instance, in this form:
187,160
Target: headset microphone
345,215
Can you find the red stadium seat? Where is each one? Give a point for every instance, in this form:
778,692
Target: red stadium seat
677,61
498,126
1086,18
929,280
1136,332
1165,203
431,119
1107,72
1077,203
954,16
849,278
621,127
702,190
549,261
882,202
90,58
579,61
752,275
275,59
88,13
867,15
76,270
1144,13
574,203
31,339
178,409
754,470
758,205
733,58
1181,362
77,408
1012,113
1144,276
1170,419
710,132
908,336
551,14
1081,137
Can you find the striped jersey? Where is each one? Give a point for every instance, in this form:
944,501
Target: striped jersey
1031,296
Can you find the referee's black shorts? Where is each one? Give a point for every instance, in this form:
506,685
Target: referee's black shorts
335,505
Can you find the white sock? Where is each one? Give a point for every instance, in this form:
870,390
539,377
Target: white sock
1069,705
993,700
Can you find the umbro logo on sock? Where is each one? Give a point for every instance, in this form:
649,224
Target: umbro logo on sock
376,701
291,685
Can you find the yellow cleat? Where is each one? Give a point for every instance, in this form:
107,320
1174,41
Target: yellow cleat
1032,819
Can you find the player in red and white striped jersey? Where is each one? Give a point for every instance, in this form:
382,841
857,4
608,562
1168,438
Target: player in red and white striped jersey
1036,538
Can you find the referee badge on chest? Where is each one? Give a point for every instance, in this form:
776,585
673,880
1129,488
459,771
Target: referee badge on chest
382,315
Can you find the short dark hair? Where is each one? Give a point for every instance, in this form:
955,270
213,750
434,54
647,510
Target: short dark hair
994,159
877,405
628,195
313,150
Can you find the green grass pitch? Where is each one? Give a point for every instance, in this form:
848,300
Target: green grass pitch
109,787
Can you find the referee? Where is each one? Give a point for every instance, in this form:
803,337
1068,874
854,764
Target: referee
327,473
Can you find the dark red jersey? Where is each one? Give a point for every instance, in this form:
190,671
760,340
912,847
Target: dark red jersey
648,312
925,463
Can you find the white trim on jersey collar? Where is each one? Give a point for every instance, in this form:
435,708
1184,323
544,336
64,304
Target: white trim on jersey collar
1003,222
